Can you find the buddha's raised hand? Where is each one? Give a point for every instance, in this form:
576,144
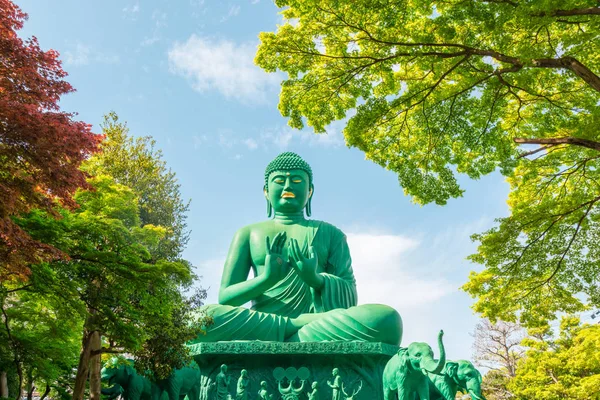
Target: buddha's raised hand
275,266
305,263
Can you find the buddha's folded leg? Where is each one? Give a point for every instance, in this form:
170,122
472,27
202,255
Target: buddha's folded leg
368,322
238,323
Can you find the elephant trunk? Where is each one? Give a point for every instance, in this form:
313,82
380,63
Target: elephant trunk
474,388
476,396
430,364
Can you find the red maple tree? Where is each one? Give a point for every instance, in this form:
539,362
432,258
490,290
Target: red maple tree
41,147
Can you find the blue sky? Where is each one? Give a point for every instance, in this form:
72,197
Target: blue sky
182,72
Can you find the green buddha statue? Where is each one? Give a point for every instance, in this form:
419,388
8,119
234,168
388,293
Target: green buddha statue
303,288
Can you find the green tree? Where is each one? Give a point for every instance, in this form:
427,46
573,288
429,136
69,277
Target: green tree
436,89
567,367
110,277
137,164
41,336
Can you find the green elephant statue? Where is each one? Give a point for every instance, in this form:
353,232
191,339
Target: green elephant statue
113,392
404,374
182,382
456,375
134,386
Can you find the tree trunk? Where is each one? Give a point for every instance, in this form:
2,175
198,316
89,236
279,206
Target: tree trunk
95,366
46,392
3,384
30,386
30,391
20,375
83,367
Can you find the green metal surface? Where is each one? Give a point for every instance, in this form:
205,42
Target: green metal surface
303,287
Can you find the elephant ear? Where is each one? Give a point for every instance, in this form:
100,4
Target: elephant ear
403,358
452,369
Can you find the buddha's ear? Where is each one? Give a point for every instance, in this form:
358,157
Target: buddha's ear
311,190
269,205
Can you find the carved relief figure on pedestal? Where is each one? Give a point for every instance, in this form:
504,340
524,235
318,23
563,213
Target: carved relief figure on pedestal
336,385
404,374
303,287
263,393
314,393
242,386
223,381
354,392
290,391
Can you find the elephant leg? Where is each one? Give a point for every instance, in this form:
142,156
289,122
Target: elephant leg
405,392
173,390
156,393
388,394
194,393
423,391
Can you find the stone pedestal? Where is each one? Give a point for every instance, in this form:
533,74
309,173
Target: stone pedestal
360,366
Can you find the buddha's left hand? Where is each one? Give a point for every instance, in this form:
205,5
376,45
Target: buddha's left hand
305,263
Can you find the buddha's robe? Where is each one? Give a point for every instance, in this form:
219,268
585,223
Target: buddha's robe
291,297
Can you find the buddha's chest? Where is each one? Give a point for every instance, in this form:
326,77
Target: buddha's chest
302,234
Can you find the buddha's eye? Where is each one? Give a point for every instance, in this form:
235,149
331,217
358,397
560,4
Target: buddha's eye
297,180
280,181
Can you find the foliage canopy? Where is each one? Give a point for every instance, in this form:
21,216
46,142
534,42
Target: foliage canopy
41,147
435,89
567,367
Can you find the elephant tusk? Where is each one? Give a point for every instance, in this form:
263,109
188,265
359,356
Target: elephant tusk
475,397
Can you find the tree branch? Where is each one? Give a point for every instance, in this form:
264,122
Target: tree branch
107,350
532,152
569,13
21,288
590,144
573,65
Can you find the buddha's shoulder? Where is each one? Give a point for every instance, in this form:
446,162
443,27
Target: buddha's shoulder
261,226
328,228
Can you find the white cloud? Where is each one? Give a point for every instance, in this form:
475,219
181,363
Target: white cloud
132,11
233,11
251,144
280,137
210,272
149,41
384,273
79,56
159,18
221,65
283,136
83,55
199,140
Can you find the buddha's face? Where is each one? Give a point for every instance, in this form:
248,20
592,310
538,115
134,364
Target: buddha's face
288,191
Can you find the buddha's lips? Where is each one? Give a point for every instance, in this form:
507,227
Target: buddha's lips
287,195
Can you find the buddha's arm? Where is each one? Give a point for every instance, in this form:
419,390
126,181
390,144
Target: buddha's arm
236,289
339,287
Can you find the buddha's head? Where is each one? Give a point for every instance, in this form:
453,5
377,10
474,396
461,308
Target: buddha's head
335,372
244,373
288,184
